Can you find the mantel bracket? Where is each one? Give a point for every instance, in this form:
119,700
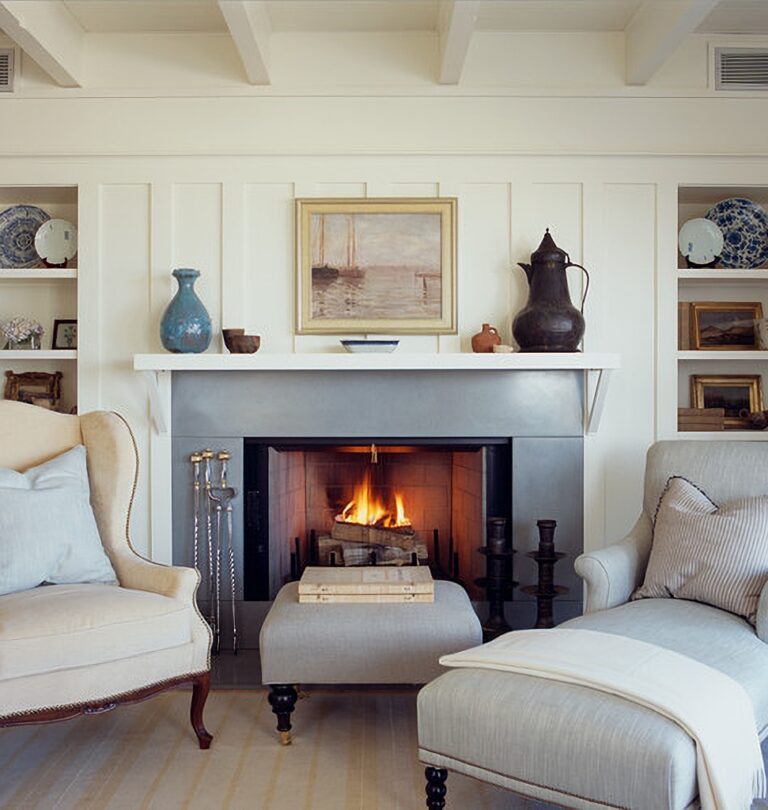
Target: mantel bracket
597,406
159,388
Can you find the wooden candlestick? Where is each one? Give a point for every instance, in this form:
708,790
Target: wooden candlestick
546,590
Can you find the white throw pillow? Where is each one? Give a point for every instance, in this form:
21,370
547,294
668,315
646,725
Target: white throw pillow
47,529
716,555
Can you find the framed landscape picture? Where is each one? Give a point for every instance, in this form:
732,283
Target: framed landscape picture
376,266
733,392
725,325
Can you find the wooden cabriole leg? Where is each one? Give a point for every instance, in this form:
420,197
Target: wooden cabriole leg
436,788
199,695
282,699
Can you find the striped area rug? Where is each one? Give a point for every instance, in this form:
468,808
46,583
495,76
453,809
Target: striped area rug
352,750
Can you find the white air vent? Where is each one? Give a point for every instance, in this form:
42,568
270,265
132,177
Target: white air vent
741,68
6,70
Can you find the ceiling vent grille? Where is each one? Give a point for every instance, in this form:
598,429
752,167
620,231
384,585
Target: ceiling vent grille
741,68
6,70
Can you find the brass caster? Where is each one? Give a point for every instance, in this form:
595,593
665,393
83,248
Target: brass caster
285,737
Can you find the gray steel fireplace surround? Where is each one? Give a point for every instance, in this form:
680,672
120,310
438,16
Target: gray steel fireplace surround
537,415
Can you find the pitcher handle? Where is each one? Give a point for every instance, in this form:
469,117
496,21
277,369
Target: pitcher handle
584,270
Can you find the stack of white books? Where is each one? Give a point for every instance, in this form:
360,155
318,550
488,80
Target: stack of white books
409,583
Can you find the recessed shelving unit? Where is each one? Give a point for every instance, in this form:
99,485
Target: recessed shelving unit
721,285
45,294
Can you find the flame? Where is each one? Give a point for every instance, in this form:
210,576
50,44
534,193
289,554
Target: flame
366,509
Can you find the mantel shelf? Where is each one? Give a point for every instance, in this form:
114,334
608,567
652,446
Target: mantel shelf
157,368
376,362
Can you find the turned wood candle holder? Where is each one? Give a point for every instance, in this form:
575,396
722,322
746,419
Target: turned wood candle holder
546,590
497,582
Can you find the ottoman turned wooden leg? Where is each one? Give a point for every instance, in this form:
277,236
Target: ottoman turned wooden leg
282,699
436,788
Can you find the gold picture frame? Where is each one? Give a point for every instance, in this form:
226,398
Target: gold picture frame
734,392
724,325
34,388
376,266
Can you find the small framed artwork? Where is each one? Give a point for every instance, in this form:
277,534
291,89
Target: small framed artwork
376,266
64,335
34,387
733,392
724,325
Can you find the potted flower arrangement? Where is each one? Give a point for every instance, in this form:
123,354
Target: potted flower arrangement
22,333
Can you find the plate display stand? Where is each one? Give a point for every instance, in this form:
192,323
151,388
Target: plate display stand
41,293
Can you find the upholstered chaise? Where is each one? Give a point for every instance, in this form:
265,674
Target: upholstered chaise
580,748
72,649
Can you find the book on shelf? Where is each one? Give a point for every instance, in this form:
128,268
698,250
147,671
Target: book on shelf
700,419
684,326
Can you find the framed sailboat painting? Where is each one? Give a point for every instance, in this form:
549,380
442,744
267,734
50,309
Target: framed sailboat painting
376,266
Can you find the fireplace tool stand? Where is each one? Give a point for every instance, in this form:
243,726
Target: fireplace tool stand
216,508
546,591
497,582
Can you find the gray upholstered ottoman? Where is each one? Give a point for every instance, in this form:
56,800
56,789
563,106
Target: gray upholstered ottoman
359,643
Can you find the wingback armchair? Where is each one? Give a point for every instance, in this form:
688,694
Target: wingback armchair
72,649
580,748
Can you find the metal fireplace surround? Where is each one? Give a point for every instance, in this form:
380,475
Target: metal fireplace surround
540,414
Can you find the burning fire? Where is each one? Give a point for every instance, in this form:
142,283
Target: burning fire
368,510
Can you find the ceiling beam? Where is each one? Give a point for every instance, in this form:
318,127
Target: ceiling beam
455,27
655,32
49,34
250,27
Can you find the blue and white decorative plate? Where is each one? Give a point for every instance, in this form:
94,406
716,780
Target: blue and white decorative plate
700,241
745,232
18,226
369,346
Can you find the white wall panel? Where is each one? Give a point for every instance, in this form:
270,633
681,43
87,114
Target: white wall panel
197,229
621,318
485,271
125,322
269,264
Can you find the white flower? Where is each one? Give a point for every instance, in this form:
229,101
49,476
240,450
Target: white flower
18,329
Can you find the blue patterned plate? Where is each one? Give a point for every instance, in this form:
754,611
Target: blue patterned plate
745,232
18,226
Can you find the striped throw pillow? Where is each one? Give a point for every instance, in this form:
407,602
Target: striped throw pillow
716,555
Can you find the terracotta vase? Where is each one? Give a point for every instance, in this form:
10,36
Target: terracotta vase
485,340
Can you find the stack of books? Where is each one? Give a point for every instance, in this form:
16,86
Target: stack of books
684,326
701,419
368,584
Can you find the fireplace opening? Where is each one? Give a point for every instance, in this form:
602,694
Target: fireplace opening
370,502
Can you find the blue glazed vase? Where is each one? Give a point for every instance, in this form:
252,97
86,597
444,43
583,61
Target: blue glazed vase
185,327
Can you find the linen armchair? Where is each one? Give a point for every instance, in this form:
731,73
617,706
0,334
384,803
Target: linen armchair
74,649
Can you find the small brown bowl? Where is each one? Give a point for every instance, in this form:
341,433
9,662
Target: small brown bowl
243,344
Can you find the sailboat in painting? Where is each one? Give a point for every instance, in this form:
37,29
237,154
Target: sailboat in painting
351,269
321,269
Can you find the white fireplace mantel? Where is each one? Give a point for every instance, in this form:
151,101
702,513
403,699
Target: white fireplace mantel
158,368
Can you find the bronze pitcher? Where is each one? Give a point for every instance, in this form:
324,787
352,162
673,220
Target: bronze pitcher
549,322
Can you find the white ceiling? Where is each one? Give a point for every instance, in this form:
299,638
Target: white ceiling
729,17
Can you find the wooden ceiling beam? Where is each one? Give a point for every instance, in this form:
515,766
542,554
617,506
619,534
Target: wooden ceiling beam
47,32
656,31
456,26
250,27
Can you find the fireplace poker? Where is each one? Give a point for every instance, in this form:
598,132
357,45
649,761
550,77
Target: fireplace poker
207,456
196,458
227,494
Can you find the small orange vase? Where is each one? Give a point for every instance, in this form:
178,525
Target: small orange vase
485,340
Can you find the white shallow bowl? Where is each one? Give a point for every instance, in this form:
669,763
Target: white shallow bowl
362,346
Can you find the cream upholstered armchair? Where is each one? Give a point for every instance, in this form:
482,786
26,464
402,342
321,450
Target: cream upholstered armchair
71,649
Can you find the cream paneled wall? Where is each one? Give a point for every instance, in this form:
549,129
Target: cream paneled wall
232,218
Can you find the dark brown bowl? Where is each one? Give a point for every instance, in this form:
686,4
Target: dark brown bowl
243,344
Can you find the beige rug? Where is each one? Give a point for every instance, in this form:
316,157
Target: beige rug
351,751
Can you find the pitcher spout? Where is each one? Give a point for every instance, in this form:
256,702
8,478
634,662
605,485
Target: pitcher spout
528,270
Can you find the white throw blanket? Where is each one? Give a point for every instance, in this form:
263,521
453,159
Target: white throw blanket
707,704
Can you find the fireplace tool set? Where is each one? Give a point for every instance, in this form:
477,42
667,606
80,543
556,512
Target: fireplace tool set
212,503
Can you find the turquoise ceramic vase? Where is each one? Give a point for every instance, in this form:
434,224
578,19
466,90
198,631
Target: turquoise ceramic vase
186,325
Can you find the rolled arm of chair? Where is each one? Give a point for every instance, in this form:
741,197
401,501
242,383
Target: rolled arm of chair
611,574
762,615
140,574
